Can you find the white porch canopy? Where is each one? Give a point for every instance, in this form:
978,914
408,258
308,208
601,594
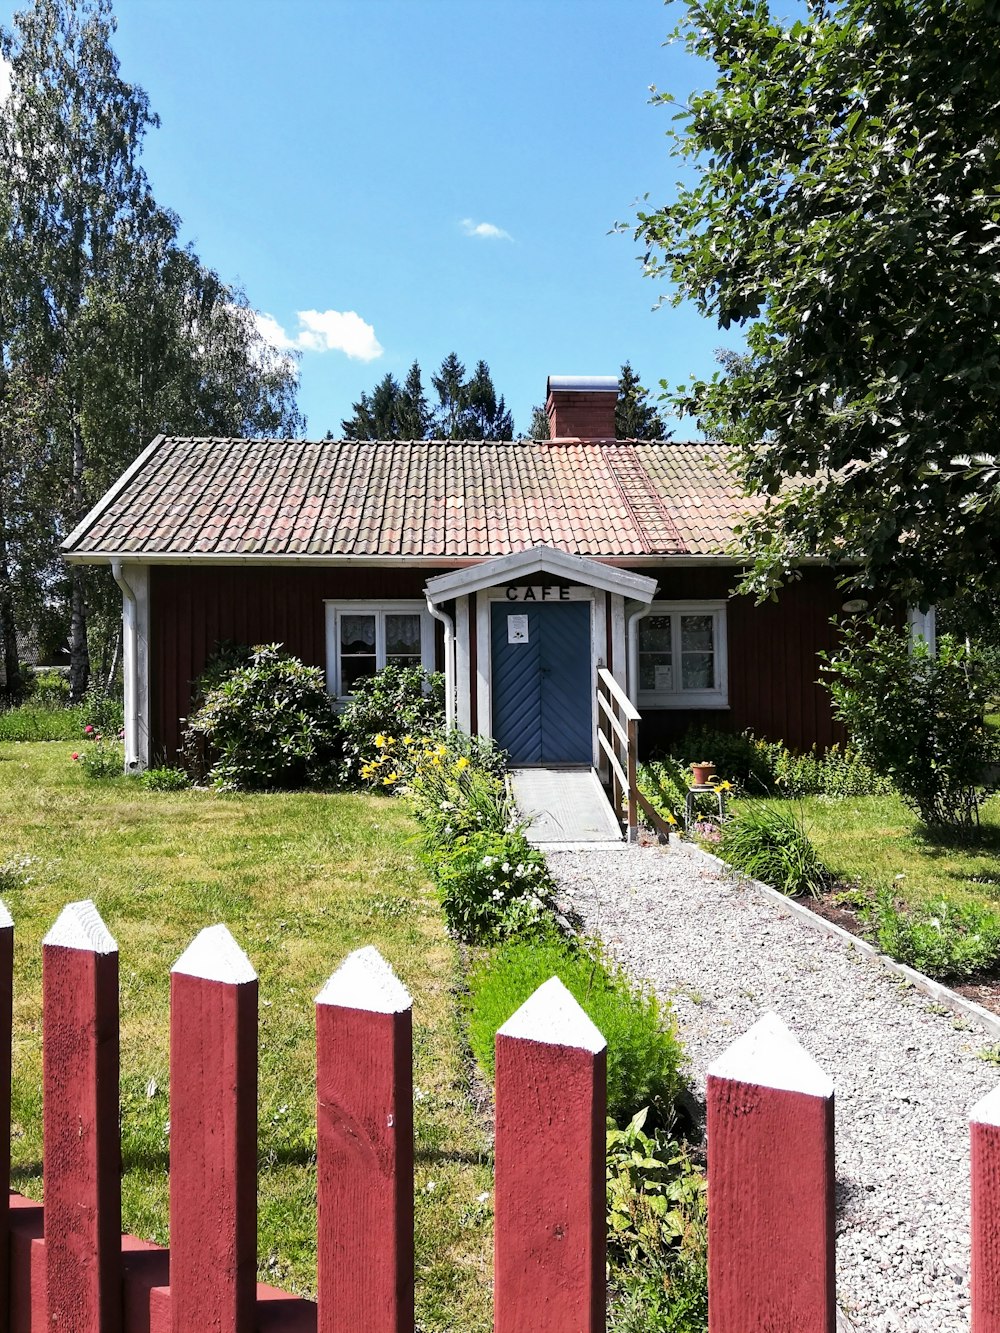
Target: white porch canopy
540,559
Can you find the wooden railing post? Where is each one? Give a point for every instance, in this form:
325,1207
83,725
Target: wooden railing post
6,1022
213,1137
82,1152
632,759
550,1210
364,1097
770,1187
984,1130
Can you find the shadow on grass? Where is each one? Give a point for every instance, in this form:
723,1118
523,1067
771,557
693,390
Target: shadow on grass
942,841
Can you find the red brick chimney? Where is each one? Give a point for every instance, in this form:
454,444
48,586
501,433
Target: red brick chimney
581,407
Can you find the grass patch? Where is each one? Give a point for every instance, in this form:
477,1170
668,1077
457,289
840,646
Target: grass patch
301,879
41,722
876,841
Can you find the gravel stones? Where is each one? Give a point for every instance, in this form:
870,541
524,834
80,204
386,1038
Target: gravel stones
905,1071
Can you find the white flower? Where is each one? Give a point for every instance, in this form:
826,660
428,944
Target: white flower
486,862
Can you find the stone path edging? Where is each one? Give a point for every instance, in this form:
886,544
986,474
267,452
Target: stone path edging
942,994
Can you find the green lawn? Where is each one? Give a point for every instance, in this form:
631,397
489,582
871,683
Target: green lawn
874,839
301,880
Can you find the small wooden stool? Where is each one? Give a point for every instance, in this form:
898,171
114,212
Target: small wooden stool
699,789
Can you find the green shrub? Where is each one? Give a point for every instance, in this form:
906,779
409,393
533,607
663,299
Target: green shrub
267,724
919,718
38,722
644,1055
395,702
770,845
657,1232
739,757
664,783
102,709
101,756
943,939
51,689
164,779
492,885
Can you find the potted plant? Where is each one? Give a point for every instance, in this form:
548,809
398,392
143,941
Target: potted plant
702,772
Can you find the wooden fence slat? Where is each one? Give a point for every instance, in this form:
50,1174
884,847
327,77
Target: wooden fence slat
364,1108
82,1153
6,1023
213,1137
984,1132
771,1229
550,1211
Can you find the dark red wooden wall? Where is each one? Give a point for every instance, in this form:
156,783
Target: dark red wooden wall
773,668
193,608
773,664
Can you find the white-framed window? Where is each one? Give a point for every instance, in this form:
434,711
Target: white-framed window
682,660
363,637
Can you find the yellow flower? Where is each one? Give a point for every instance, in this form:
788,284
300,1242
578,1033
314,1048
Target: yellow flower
408,740
671,819
388,781
441,750
368,769
436,761
460,763
380,742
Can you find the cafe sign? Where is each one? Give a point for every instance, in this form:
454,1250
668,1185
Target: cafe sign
548,592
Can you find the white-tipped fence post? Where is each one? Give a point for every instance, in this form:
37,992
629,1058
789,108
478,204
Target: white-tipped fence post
82,1152
6,1022
551,1214
770,1187
984,1130
364,1145
213,1137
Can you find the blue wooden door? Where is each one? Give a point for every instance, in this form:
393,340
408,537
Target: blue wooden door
542,706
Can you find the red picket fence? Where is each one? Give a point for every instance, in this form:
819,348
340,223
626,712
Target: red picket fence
67,1266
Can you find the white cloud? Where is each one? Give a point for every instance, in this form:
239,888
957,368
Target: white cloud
272,332
324,331
485,230
338,331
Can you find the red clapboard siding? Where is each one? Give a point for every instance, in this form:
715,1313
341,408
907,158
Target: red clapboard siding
194,608
773,663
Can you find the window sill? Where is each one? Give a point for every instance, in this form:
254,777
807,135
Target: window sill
654,702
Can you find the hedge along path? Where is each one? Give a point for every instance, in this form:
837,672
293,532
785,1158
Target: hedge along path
302,879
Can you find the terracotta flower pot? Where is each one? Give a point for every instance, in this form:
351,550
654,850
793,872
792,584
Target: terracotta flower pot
702,773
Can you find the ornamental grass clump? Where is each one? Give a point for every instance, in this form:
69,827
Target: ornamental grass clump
771,845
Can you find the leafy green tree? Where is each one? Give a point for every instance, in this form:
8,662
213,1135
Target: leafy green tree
391,411
844,211
109,331
466,408
414,417
636,418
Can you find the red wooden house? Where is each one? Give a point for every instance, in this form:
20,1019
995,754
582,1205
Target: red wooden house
518,568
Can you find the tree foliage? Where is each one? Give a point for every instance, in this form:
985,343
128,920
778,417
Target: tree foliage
636,418
468,407
844,210
110,331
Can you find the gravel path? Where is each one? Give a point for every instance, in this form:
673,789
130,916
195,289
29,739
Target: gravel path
905,1072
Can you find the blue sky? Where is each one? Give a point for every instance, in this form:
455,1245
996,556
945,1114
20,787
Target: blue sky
397,179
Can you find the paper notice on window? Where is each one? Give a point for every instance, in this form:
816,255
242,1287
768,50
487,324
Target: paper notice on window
517,629
664,677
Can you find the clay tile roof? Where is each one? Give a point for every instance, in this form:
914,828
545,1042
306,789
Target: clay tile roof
424,499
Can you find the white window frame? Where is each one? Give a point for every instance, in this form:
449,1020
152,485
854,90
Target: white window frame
334,611
717,697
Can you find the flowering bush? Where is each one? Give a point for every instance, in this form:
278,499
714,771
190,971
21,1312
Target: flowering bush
266,724
453,784
395,702
101,757
492,886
